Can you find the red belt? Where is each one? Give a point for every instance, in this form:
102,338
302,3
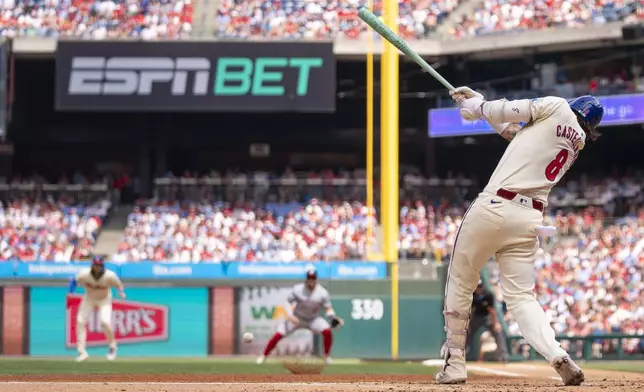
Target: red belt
509,195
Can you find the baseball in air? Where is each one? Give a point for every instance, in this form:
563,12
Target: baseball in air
248,337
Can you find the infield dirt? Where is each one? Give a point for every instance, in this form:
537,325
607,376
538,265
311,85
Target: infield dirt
531,378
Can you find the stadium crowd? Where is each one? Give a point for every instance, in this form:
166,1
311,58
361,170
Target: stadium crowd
254,19
506,16
589,279
53,223
93,19
591,283
170,231
322,19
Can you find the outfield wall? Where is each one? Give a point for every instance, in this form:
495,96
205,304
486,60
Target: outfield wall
193,317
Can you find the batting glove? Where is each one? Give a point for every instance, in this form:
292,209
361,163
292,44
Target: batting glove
466,92
471,108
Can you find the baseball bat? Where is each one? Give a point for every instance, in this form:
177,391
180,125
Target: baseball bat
382,29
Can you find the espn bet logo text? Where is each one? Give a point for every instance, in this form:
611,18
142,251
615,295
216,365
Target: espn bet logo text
132,322
181,76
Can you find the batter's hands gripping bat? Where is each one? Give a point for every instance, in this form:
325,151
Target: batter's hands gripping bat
372,20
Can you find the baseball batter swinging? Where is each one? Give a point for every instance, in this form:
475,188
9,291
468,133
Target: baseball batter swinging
303,310
98,282
506,218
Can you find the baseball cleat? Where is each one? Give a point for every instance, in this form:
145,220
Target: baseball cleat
327,360
443,377
111,354
453,372
570,373
261,360
82,356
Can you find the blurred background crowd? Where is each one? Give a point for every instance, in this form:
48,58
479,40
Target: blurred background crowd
589,278
297,19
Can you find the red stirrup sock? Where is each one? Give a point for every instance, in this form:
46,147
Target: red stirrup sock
272,343
328,341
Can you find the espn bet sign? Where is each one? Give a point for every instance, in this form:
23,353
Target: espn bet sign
249,77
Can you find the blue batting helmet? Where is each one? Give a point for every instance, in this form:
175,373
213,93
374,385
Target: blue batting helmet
98,260
589,109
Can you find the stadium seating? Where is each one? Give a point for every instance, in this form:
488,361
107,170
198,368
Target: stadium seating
507,16
92,19
220,232
300,19
591,283
321,20
589,280
56,223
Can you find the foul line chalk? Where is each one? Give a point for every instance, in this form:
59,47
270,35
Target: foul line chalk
494,371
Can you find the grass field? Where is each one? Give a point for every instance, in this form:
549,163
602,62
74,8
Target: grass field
24,366
98,365
618,366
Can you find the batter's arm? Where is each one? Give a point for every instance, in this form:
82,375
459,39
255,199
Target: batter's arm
507,130
521,110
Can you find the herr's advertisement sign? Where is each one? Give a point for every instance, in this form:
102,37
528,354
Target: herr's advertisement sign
133,322
151,322
195,76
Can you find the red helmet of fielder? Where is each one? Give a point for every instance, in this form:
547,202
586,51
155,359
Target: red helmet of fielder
311,278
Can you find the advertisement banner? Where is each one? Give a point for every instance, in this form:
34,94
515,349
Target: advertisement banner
151,270
133,322
261,310
48,270
341,270
6,269
270,270
618,110
359,270
152,322
195,76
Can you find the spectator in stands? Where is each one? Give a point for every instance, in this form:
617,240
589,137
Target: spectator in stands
166,19
220,232
47,222
249,19
499,16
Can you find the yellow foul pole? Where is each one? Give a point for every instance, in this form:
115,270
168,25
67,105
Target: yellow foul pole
369,136
389,162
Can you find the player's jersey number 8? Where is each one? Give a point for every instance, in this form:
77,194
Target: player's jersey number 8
555,166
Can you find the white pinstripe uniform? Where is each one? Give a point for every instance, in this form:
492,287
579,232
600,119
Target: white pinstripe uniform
504,221
98,295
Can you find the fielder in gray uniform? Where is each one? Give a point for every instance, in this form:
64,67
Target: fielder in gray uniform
304,305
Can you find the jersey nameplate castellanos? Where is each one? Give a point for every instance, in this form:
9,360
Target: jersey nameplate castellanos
542,151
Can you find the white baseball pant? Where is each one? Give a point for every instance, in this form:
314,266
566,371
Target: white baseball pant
85,310
496,226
